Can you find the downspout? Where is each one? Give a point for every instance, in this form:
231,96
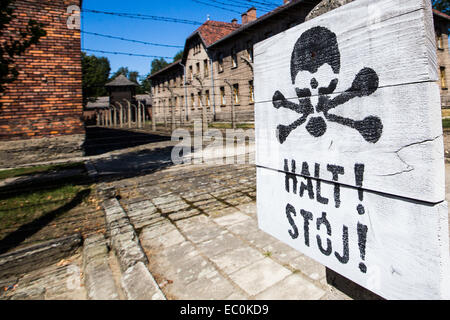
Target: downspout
185,92
212,89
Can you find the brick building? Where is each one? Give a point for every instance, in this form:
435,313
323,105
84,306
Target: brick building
218,65
40,112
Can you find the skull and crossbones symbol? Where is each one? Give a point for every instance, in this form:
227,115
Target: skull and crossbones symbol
317,47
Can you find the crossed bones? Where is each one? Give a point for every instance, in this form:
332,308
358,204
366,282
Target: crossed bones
364,84
314,48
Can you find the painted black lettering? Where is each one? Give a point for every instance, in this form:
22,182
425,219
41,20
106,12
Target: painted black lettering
291,210
290,176
345,255
307,216
308,186
319,197
323,220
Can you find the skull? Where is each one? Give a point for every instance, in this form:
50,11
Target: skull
315,66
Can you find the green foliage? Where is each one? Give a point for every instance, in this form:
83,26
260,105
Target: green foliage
158,64
14,45
178,56
95,76
442,5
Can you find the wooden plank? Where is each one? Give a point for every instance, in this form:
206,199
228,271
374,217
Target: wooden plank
384,110
398,249
407,160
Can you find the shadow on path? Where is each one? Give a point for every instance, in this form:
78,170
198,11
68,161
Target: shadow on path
102,140
25,231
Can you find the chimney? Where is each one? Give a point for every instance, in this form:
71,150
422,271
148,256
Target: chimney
244,18
251,14
234,21
286,1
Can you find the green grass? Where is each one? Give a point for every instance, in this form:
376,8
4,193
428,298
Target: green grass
28,206
446,123
39,169
227,125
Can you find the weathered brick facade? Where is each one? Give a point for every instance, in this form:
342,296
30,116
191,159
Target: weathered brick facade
46,99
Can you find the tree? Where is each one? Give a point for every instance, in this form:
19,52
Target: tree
178,56
442,5
95,75
15,44
158,64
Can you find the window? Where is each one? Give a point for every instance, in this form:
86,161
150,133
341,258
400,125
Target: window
192,101
250,51
220,62
207,98
197,68
205,67
443,80
234,61
222,96
191,74
440,41
199,98
236,93
251,91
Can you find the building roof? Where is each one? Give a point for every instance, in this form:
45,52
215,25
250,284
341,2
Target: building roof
173,64
144,97
441,14
100,102
212,31
120,81
264,17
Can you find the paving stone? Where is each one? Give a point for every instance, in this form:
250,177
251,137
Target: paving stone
231,219
221,211
162,241
209,287
281,252
294,287
235,201
259,239
236,296
218,245
183,214
139,284
232,260
248,208
157,230
245,227
309,267
173,207
199,229
98,277
259,276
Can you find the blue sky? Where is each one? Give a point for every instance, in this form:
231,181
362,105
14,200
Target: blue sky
149,30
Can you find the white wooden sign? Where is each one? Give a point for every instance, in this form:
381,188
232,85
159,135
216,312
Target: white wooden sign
349,146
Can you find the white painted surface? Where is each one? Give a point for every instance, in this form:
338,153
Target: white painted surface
394,38
406,255
402,185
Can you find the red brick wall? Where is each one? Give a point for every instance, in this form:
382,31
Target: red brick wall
46,99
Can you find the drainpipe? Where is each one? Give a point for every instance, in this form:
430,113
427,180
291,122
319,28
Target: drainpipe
185,93
213,94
